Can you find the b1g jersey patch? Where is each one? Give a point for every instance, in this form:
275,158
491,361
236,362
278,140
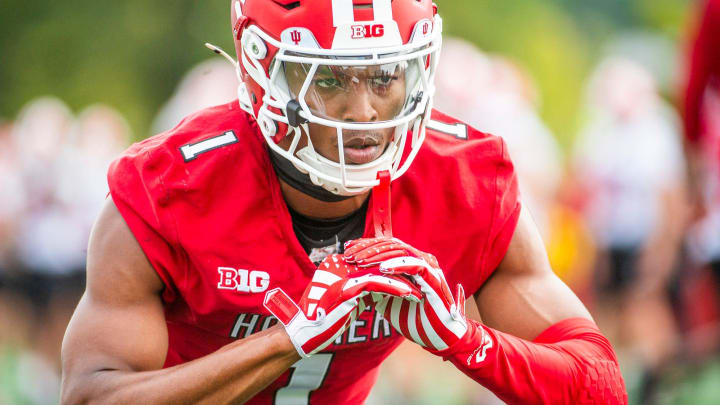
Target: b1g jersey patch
243,281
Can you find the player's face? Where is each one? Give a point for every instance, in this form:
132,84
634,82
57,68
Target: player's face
364,94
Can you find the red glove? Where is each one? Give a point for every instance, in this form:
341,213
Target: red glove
438,321
570,363
331,301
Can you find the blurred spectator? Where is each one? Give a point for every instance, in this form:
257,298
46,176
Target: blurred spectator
701,114
26,377
100,134
27,154
702,86
210,83
12,199
494,95
52,173
571,246
63,165
42,135
629,157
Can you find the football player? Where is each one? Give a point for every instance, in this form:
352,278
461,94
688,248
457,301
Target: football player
216,271
700,97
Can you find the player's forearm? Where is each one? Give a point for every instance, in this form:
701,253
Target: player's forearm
573,365
233,374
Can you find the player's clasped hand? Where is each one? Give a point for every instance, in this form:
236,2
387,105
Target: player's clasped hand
333,299
438,321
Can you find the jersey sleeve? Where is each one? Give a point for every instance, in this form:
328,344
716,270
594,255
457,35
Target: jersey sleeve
505,212
136,186
480,194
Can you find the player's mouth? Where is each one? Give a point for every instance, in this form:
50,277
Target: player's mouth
362,148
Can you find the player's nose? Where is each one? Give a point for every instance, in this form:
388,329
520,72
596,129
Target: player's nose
359,107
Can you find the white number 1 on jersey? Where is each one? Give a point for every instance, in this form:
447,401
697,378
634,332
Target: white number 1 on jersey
192,150
307,375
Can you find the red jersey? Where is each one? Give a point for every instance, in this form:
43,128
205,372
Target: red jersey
205,205
703,70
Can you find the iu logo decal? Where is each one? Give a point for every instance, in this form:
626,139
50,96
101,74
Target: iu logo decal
296,36
426,28
368,31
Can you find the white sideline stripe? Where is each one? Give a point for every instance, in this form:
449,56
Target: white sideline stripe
342,12
325,277
430,332
316,292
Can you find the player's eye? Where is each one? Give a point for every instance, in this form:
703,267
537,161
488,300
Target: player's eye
327,83
382,82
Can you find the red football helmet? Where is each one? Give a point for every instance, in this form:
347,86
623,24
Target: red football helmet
299,59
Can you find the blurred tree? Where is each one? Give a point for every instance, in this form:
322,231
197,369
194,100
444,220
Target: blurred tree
541,37
132,54
128,54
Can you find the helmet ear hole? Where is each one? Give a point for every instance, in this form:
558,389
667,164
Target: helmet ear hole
254,46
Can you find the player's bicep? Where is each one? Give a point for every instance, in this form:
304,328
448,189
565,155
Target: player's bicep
524,297
119,323
100,337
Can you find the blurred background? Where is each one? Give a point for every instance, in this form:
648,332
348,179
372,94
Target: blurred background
588,95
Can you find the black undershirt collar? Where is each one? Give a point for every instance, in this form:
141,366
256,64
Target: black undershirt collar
322,237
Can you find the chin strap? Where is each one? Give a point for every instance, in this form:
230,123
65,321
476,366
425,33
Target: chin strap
381,206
